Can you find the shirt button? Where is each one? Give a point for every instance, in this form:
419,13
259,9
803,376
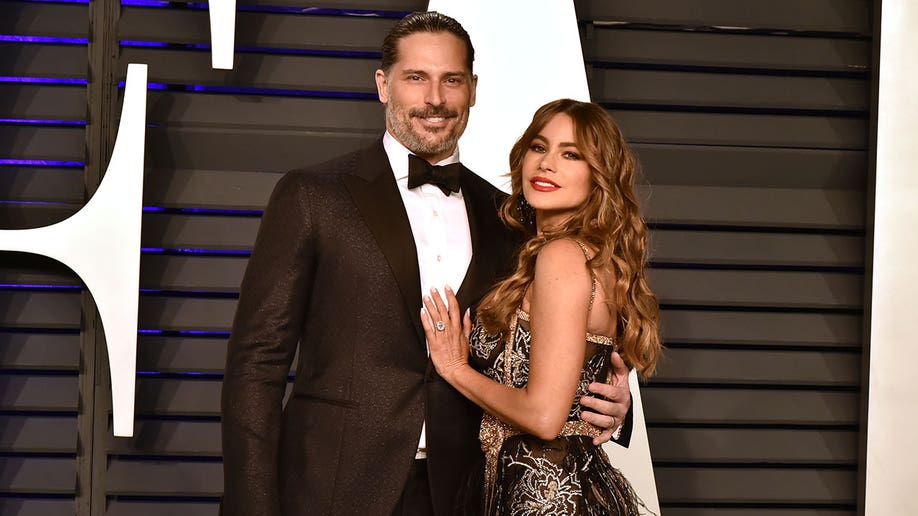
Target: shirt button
435,213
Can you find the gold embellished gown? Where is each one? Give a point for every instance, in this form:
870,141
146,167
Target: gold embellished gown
525,475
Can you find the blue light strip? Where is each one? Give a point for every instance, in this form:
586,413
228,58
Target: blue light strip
42,163
204,211
145,3
43,80
212,294
137,43
257,50
43,39
38,203
56,1
37,286
184,333
35,121
201,252
314,11
259,91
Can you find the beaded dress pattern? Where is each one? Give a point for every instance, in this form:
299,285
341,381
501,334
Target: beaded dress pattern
525,475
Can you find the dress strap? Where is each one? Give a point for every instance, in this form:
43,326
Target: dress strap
586,254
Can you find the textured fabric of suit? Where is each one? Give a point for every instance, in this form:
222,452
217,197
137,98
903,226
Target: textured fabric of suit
335,269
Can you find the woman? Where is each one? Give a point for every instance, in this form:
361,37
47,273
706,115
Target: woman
544,333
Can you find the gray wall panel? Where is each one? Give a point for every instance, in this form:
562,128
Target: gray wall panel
753,445
160,396
291,72
737,511
264,30
173,478
39,309
171,437
229,188
47,351
749,406
181,109
756,485
815,132
38,101
186,313
157,508
720,90
725,50
38,434
762,328
48,184
774,167
36,507
244,149
58,20
823,290
37,475
673,246
37,392
198,231
760,367
181,354
812,15
34,142
206,273
754,207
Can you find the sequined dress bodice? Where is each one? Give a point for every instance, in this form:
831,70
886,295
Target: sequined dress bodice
490,356
527,476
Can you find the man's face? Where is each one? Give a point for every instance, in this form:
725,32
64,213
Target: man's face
428,93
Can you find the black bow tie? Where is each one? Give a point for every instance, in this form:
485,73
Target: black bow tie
420,172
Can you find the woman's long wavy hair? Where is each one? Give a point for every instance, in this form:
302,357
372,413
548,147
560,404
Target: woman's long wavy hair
609,222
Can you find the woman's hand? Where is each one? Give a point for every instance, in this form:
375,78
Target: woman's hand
447,332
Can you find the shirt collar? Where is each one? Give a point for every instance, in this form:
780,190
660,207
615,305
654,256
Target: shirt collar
398,156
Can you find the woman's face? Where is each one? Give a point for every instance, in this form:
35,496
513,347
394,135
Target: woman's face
556,178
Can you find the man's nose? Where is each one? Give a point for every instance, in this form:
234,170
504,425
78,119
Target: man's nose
435,94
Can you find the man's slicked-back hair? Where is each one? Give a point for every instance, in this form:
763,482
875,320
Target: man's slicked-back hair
427,21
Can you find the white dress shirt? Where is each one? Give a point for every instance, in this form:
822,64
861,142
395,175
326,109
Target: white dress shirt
440,226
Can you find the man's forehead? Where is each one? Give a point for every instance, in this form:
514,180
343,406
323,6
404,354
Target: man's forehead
423,44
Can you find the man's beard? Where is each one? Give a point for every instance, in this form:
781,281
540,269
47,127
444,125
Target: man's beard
399,122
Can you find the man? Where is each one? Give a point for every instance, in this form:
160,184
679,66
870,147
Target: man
342,256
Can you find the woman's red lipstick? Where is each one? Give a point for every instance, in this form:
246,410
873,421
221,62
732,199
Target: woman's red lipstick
543,184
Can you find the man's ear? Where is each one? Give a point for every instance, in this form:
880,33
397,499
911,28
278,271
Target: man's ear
474,88
382,87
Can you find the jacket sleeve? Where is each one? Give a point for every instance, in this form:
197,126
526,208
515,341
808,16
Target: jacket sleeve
266,330
626,429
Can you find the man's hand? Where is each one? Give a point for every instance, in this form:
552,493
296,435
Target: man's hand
608,413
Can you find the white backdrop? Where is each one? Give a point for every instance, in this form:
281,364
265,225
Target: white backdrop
892,419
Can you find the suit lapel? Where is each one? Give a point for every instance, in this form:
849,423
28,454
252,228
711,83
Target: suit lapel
373,188
486,255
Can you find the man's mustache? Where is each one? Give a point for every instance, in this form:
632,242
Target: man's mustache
433,112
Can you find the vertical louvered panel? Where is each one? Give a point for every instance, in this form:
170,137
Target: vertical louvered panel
750,120
43,62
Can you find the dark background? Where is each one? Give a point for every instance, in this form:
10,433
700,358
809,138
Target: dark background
751,119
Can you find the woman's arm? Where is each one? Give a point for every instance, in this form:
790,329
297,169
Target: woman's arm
560,296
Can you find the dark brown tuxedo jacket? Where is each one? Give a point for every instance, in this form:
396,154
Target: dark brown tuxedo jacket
335,270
